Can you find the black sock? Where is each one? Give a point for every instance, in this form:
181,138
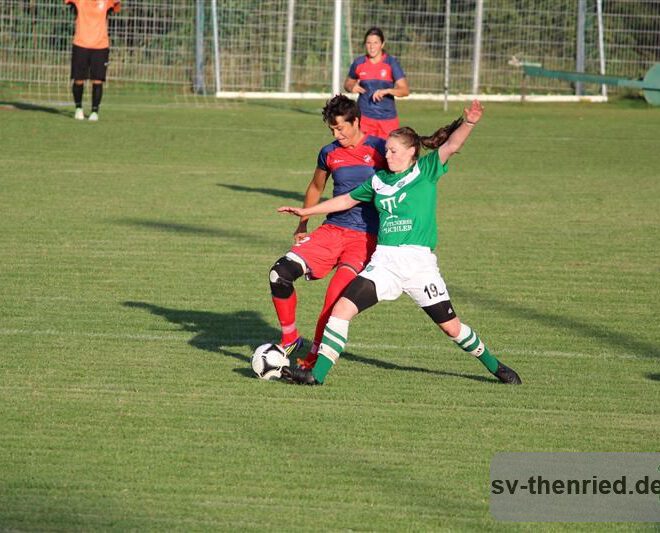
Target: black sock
77,91
97,94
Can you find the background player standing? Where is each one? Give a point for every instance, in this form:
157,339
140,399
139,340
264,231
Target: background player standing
91,50
346,240
377,77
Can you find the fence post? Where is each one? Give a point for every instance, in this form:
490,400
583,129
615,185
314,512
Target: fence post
198,84
447,41
216,45
289,45
579,44
476,60
601,44
336,50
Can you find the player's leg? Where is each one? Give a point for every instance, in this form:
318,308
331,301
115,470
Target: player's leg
98,68
283,274
468,341
358,296
375,283
357,248
339,281
79,73
428,289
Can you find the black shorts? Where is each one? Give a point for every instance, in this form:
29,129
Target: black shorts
88,63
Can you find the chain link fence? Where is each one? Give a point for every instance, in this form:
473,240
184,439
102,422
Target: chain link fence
170,45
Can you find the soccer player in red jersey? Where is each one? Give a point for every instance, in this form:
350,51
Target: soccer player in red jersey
377,77
91,50
345,241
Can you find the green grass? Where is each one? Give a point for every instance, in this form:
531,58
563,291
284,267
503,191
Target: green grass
134,266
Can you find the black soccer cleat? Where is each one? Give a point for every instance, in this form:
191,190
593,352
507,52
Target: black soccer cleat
507,375
299,375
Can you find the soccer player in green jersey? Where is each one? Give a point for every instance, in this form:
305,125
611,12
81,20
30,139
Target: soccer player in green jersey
405,198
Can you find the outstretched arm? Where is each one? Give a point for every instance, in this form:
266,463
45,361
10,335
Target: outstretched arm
338,203
471,116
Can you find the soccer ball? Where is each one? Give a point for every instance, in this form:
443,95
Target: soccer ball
268,361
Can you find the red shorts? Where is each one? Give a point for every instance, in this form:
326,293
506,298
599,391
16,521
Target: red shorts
329,246
379,128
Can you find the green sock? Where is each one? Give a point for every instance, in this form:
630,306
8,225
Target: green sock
488,360
332,345
469,342
321,368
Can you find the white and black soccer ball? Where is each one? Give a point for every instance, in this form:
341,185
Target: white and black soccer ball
268,361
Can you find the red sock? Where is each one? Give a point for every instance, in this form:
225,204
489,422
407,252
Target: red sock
286,314
343,276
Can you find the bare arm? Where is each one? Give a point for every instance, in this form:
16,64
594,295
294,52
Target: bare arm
312,197
352,85
338,203
400,90
471,116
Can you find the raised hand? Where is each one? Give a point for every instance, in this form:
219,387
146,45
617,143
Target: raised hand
474,112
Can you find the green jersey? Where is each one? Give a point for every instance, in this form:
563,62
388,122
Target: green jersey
406,202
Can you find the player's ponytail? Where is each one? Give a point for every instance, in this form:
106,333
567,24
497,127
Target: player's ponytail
437,139
409,137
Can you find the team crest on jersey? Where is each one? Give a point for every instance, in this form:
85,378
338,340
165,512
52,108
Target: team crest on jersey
367,158
383,73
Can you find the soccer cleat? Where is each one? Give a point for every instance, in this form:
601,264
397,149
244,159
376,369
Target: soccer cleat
299,375
79,114
94,117
292,347
507,375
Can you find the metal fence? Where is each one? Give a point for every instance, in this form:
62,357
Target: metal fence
287,45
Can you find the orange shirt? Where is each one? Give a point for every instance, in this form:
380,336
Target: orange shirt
92,22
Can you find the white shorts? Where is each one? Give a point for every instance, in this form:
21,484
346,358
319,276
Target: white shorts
410,269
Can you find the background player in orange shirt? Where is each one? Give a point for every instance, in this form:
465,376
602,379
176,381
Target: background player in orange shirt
91,50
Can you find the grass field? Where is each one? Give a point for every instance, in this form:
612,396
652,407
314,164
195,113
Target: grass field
135,255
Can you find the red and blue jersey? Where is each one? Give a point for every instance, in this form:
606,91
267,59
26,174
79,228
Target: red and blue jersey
350,167
374,76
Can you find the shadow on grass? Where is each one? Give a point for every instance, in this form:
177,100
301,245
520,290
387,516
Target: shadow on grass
278,193
23,106
213,331
189,229
392,366
653,377
601,335
285,106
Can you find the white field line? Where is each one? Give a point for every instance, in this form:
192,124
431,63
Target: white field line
251,341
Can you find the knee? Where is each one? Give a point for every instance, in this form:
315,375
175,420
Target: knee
344,309
282,275
451,328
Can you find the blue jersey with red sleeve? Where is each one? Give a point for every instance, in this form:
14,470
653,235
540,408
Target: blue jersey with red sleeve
374,76
349,168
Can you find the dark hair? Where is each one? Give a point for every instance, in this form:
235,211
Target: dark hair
340,106
375,31
409,137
